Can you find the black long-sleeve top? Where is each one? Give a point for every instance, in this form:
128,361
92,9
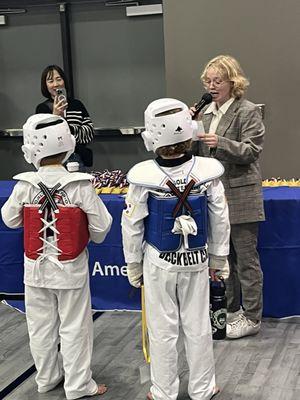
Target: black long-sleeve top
78,119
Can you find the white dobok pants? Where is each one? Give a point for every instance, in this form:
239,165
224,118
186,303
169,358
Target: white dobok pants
61,315
172,298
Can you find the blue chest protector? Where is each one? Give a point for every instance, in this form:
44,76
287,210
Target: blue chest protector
160,221
164,209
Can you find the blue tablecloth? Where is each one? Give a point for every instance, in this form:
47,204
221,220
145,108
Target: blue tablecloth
279,249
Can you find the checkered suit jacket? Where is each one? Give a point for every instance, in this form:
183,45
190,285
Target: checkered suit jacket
241,136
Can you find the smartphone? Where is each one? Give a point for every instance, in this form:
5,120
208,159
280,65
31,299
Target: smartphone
61,94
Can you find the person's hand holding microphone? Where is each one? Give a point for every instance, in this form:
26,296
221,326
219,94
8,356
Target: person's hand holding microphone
210,139
205,99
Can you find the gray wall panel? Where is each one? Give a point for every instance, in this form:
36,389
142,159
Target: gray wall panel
263,36
118,63
12,160
118,66
28,43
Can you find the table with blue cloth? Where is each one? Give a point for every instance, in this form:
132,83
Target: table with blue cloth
278,245
279,251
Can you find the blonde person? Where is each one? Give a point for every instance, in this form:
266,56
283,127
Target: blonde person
234,135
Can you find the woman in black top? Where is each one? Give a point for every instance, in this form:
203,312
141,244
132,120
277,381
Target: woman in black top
75,113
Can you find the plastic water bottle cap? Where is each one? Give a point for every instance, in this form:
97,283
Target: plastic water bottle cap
73,166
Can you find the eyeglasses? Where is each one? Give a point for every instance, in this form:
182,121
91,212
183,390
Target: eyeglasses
216,82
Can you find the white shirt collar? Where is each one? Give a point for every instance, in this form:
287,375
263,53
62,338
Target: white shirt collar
212,108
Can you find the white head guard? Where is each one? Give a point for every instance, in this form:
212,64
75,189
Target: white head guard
165,130
46,135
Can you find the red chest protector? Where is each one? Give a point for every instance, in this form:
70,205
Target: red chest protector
67,224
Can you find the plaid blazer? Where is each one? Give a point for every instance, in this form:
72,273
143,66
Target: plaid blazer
241,136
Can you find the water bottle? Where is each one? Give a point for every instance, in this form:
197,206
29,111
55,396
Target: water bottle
218,309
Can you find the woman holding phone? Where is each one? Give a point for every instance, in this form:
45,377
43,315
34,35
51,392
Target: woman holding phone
54,87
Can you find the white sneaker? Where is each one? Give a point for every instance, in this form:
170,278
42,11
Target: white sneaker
242,327
232,316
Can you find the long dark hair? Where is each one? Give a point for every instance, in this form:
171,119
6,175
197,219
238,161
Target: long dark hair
45,73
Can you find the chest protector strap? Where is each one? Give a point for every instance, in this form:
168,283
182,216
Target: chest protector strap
49,196
182,197
52,229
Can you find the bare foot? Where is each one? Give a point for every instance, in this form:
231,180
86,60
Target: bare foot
216,391
102,389
149,396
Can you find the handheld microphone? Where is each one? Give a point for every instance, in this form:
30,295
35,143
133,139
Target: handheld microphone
205,99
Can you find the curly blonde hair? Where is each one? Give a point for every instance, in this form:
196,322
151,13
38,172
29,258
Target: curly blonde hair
230,70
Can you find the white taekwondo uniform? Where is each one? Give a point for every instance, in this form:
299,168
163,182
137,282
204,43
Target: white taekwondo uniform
57,295
177,283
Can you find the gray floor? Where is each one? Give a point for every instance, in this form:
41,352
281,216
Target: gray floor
264,367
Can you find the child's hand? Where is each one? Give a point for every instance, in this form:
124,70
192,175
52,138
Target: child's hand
213,274
135,274
218,267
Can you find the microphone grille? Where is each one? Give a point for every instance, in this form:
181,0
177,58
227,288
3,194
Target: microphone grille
207,97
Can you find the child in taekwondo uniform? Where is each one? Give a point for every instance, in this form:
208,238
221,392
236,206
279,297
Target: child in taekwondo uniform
60,212
175,228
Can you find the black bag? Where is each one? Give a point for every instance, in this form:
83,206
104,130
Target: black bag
85,154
